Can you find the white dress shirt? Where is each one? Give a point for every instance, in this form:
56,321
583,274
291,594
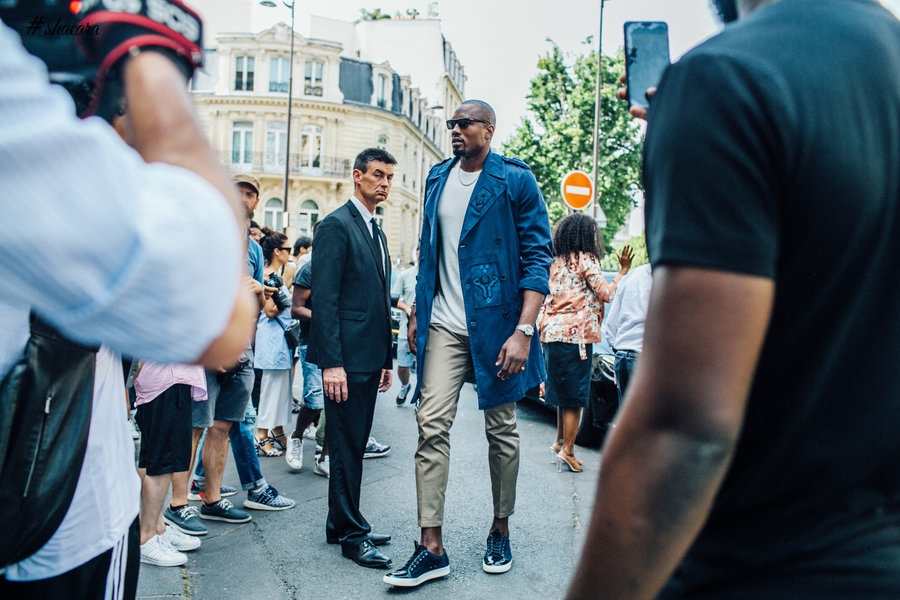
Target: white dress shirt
624,325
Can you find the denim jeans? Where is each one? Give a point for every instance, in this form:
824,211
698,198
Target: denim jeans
624,367
313,396
246,461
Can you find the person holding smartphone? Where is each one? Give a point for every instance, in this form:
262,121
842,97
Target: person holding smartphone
743,465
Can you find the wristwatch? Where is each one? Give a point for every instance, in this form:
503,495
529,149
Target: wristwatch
527,329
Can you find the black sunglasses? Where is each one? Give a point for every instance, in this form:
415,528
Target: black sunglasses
464,122
286,249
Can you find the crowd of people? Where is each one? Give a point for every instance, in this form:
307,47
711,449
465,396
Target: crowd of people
737,467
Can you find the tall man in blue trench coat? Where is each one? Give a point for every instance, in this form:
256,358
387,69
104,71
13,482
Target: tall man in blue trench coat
484,266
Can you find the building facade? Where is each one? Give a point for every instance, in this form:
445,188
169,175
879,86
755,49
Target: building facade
341,102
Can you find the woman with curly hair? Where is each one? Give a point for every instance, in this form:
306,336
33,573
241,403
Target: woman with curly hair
570,324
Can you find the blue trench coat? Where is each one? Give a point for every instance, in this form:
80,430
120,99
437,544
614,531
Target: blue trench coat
504,249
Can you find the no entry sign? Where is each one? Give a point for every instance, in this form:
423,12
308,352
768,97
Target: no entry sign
577,189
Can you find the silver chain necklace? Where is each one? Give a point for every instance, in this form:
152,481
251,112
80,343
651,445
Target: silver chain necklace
463,183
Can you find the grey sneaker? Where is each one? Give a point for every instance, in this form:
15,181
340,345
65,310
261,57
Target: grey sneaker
267,498
223,510
294,454
184,519
376,450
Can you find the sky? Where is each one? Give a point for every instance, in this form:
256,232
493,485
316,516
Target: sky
500,41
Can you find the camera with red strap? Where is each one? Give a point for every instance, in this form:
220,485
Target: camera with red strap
126,27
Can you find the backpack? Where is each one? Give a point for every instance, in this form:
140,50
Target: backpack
45,413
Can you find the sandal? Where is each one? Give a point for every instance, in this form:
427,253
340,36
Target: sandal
281,441
260,448
573,463
556,448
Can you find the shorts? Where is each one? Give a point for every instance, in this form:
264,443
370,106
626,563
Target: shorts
405,358
165,424
228,392
568,376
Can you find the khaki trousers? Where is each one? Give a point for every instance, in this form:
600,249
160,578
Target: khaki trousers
446,365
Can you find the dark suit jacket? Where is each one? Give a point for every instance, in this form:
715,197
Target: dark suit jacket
351,325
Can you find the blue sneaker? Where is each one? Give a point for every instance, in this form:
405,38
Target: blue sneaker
498,557
267,498
421,567
223,510
196,491
184,519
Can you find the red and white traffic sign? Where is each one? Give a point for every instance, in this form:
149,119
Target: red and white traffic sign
577,189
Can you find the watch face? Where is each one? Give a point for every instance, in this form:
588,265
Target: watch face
526,329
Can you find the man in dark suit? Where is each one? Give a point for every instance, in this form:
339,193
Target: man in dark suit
350,341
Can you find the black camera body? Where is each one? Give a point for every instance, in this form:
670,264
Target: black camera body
280,299
82,43
35,21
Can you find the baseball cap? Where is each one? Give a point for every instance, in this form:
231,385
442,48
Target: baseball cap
248,179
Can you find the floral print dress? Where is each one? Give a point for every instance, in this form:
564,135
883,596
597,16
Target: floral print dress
573,311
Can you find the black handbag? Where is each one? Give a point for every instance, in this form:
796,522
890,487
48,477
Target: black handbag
292,334
45,414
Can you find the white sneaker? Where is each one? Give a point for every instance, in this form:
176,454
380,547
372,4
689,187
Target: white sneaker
310,432
323,468
294,453
180,541
158,551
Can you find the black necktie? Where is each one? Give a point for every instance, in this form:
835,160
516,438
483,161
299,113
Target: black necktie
377,239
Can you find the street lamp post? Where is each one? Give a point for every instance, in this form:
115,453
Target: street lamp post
599,217
287,137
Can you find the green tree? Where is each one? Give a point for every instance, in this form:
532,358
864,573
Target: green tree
610,262
556,136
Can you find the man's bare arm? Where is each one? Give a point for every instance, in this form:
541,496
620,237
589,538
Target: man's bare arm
675,437
164,128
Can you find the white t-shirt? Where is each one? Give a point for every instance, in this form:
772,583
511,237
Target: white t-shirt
449,308
107,249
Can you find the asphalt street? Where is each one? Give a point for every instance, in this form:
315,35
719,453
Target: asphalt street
283,555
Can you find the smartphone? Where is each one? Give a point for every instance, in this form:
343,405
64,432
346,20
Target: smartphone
646,57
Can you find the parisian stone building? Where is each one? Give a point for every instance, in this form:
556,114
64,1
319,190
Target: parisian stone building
389,83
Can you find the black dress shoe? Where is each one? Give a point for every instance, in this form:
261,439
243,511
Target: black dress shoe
365,554
379,539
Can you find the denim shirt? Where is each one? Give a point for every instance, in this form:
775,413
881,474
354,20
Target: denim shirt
504,249
271,350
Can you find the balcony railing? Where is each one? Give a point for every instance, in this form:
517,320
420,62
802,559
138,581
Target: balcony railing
300,164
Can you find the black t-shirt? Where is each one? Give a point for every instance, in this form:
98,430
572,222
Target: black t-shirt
773,150
303,278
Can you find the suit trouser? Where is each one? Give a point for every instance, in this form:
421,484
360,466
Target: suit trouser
446,366
347,427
